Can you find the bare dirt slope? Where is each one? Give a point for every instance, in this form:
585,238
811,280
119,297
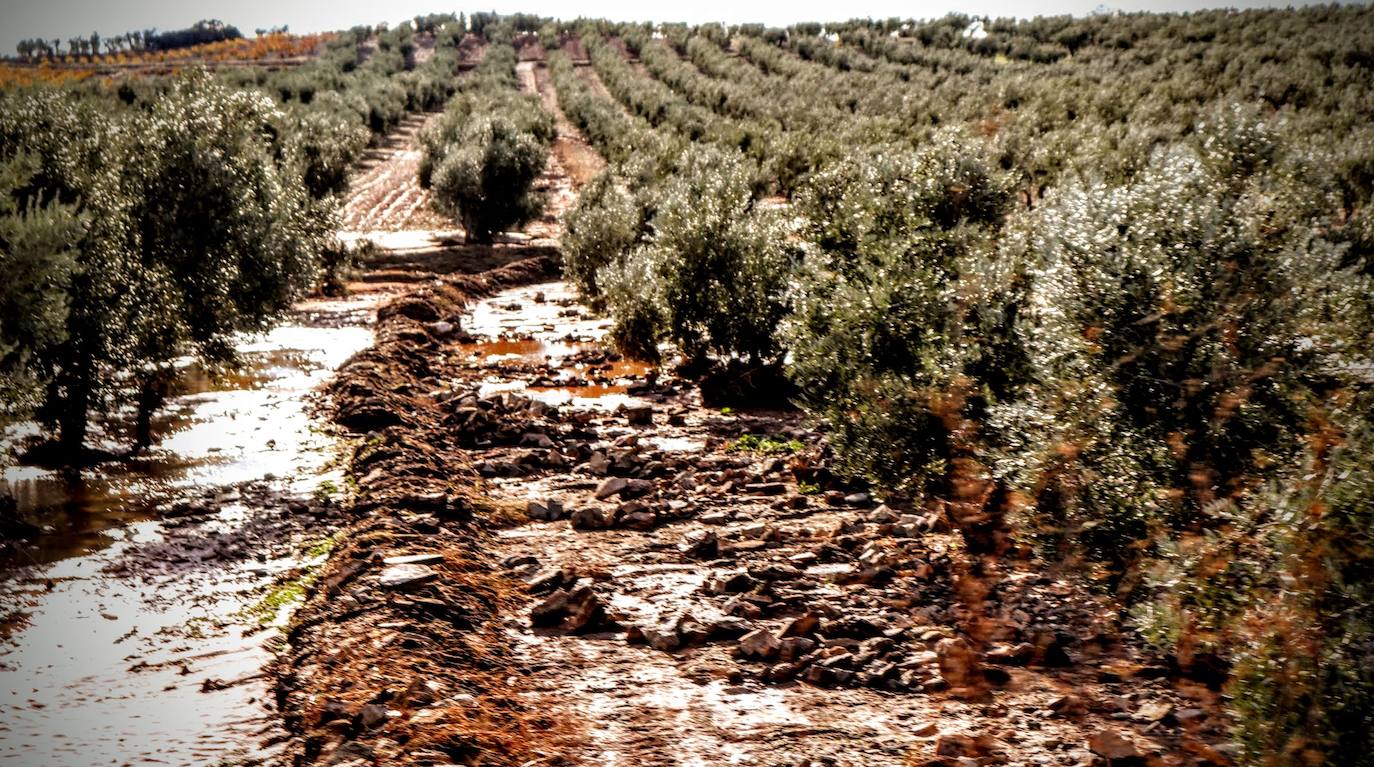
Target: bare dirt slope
580,161
385,195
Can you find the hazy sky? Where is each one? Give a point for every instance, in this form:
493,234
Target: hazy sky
68,18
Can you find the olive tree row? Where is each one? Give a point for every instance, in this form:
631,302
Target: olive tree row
482,157
194,222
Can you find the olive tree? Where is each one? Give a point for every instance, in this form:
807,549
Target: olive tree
38,256
199,225
600,229
230,234
720,263
901,333
486,180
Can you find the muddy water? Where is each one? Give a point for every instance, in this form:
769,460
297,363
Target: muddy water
542,324
138,640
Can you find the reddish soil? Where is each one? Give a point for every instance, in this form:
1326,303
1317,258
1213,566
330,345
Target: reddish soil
580,161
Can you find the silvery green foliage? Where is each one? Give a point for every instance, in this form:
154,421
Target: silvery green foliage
723,263
327,139
1173,336
236,246
621,138
601,229
902,320
521,110
486,179
38,239
482,156
198,225
80,150
1303,648
631,289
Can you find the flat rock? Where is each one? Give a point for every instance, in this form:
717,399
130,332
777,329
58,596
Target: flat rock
404,576
592,519
700,544
544,510
1110,745
759,643
372,715
598,463
882,516
955,745
663,638
612,486
636,488
1154,712
575,610
802,625
546,580
1012,655
639,520
1190,716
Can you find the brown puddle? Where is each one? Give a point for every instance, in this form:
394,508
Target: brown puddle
543,325
526,349
578,392
560,354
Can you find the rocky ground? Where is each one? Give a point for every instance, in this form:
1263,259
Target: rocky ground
563,557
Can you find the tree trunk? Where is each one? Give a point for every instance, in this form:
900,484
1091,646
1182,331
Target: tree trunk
73,417
151,394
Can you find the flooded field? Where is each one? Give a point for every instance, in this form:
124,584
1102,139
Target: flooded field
139,615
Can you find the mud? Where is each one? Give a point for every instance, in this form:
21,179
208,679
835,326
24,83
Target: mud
142,609
399,661
619,574
663,680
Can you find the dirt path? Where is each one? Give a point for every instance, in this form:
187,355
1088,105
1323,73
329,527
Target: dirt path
589,75
567,558
579,160
756,612
437,686
750,618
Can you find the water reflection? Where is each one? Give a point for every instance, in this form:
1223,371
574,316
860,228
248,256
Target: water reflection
543,325
219,428
157,663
